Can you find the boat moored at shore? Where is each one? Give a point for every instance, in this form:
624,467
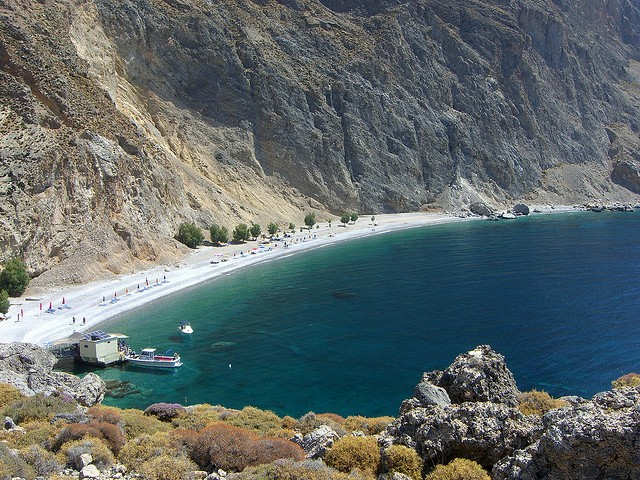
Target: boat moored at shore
148,358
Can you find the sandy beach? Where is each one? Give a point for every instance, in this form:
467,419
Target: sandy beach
101,300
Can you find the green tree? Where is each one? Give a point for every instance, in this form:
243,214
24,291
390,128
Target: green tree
241,233
310,220
219,234
190,235
255,230
345,218
292,227
14,278
4,301
354,217
272,228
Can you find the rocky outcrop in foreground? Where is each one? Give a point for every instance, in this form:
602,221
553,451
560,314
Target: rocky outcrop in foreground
30,369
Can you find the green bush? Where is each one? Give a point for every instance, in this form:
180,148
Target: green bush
401,459
43,462
37,407
349,453
538,403
345,218
370,426
167,467
628,380
14,278
310,220
219,234
146,447
264,422
292,227
255,230
8,394
272,228
354,217
241,233
4,301
459,469
190,235
137,423
12,465
70,452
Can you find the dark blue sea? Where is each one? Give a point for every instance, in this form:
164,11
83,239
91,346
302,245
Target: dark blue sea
349,328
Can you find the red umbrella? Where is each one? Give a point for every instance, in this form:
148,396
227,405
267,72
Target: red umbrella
40,307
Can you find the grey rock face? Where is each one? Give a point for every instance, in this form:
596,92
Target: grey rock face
480,208
480,375
484,432
521,209
30,369
316,443
593,440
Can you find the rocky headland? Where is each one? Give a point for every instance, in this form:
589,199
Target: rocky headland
120,119
467,421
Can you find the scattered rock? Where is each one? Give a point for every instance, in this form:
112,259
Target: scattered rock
9,424
316,443
393,476
521,209
90,471
480,208
197,475
85,459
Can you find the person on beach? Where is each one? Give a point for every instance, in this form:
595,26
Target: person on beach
84,321
73,320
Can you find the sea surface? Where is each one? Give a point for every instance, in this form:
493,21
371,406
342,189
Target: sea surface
349,328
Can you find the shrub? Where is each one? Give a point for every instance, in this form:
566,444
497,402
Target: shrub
292,227
538,403
105,414
35,433
255,230
190,235
345,218
272,228
4,301
310,220
8,394
354,217
111,434
167,467
354,452
459,469
70,452
241,233
14,278
401,459
198,417
165,411
219,234
145,447
12,465
137,423
37,407
288,469
370,426
43,462
332,417
232,448
310,421
251,418
628,380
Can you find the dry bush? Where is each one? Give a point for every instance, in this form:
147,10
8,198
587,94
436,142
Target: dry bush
137,423
310,421
37,407
628,380
231,448
292,470
289,422
8,394
165,411
35,433
145,447
70,452
401,459
43,461
459,469
349,453
12,465
167,467
334,417
264,422
369,426
102,414
538,403
109,432
198,417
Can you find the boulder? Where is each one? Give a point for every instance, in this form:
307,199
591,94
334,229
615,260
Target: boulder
84,460
592,440
165,411
316,443
481,208
520,209
480,375
29,368
428,394
9,424
484,432
393,476
90,471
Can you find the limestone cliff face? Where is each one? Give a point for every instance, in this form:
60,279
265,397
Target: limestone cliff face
119,119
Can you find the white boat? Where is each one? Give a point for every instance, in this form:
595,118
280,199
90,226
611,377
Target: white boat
507,216
185,328
148,358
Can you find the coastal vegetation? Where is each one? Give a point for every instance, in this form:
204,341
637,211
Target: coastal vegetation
310,220
459,469
537,402
354,217
255,230
401,459
190,235
14,278
628,380
241,233
351,453
4,301
272,228
219,234
345,218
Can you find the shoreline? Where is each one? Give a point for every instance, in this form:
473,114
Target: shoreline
39,327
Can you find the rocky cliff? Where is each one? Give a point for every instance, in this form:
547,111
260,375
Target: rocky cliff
119,119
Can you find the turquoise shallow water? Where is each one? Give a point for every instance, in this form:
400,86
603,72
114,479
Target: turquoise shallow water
349,328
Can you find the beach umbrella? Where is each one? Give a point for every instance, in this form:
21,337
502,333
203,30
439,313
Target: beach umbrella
50,305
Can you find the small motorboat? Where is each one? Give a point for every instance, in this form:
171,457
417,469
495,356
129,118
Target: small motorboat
148,358
507,216
185,329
